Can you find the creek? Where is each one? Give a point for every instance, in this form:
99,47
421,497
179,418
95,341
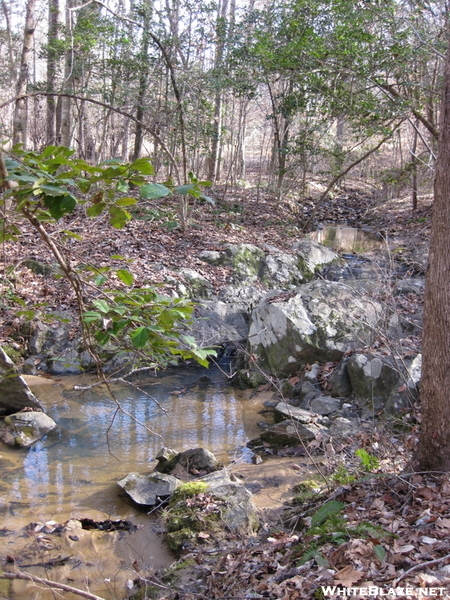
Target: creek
72,473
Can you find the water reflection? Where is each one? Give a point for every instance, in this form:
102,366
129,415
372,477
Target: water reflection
348,239
96,442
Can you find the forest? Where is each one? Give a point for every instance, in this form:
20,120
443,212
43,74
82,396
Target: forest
178,181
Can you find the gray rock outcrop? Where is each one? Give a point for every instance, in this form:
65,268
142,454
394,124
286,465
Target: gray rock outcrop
320,321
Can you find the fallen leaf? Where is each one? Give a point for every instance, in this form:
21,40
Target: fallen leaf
348,576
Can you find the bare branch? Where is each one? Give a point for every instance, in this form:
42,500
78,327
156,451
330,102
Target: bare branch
50,584
109,107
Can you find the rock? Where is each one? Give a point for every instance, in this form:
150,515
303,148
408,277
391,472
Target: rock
285,434
342,428
414,285
403,396
281,270
307,392
294,412
25,428
243,298
247,261
339,381
217,324
14,392
245,379
240,514
195,286
325,405
320,322
197,459
311,256
67,363
203,510
212,257
373,378
147,489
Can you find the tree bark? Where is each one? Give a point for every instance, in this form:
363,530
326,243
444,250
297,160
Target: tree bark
52,55
65,134
20,119
147,10
433,452
214,162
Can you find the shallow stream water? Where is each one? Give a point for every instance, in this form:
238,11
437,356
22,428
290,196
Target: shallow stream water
349,239
72,473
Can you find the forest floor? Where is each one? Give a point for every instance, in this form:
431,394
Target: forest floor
375,529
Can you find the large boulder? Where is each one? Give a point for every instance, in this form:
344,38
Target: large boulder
25,428
320,321
206,509
14,392
372,378
312,256
217,323
247,261
148,489
385,384
240,515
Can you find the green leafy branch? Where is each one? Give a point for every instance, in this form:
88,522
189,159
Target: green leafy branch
45,187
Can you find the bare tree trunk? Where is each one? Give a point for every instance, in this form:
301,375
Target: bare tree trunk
434,446
143,79
53,15
65,135
20,119
12,65
214,173
414,165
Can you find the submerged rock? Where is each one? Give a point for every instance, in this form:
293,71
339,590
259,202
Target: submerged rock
14,392
147,489
25,428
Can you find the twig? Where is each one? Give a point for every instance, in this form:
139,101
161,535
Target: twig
421,566
52,584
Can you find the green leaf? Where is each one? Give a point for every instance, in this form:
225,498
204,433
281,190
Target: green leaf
102,337
143,166
102,306
73,235
190,340
95,209
90,315
184,189
58,206
118,217
125,276
127,201
84,185
100,280
208,199
152,191
326,511
139,337
28,314
122,186
380,552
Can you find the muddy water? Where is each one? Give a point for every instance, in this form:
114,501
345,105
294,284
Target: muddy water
73,473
